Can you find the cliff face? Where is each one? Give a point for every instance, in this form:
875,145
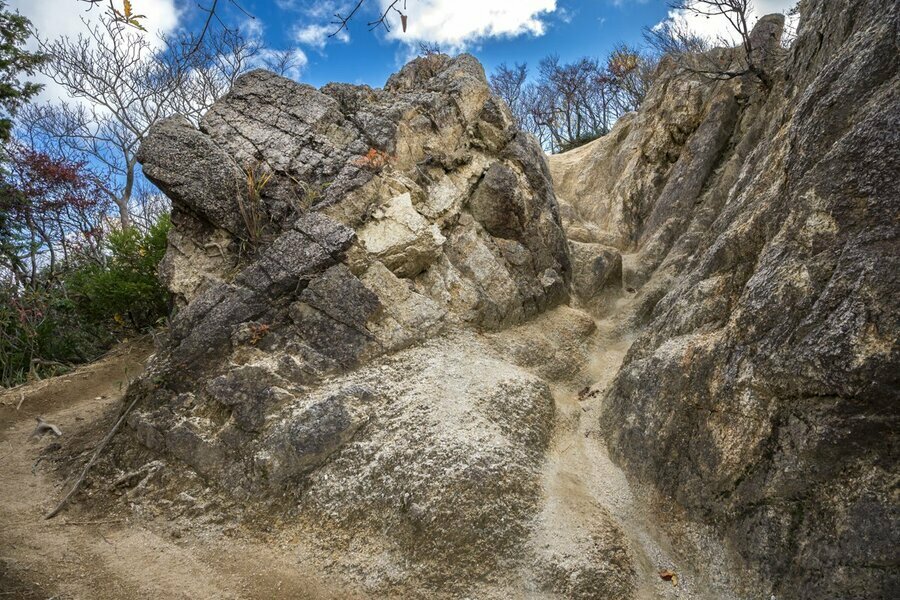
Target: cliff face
338,257
761,230
410,337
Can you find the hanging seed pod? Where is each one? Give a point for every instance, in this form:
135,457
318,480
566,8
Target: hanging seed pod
403,22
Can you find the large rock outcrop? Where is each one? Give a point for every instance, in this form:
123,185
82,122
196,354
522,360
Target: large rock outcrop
334,253
371,338
760,228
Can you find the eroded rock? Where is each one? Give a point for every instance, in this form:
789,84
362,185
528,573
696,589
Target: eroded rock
325,351
379,355
761,232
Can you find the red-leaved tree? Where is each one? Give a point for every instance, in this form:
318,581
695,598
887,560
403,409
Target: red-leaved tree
51,214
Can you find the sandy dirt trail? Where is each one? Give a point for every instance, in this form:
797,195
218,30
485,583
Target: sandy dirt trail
130,554
588,486
80,555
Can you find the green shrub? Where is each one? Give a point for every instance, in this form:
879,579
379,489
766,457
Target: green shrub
84,310
42,332
127,289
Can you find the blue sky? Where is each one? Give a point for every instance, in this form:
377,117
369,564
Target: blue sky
573,29
495,31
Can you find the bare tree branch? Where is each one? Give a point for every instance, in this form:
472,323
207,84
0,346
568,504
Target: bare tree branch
737,14
382,21
343,21
125,85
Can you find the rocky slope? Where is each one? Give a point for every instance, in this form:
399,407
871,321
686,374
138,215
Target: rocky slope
372,339
335,254
762,394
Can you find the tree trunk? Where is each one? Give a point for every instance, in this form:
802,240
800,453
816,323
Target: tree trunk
124,214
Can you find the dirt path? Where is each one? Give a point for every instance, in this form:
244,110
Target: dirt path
131,554
77,554
587,487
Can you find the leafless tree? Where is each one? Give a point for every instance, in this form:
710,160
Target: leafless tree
790,26
429,48
737,13
148,205
632,72
207,71
574,101
675,38
509,84
570,103
124,85
124,13
283,62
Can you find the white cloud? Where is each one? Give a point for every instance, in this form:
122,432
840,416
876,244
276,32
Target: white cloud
252,28
566,15
719,28
455,24
55,18
318,35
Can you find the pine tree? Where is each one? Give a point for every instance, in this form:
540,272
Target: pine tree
15,61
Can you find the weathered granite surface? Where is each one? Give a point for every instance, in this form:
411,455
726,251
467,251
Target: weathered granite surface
761,231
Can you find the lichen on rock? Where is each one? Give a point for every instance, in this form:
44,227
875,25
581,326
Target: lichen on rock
390,331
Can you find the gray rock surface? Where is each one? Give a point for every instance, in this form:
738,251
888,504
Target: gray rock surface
762,394
595,267
195,173
388,364
301,363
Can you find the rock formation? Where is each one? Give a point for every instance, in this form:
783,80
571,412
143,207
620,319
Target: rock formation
371,335
316,231
762,394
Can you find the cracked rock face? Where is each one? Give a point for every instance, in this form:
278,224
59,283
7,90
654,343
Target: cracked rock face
406,188
317,233
762,235
370,327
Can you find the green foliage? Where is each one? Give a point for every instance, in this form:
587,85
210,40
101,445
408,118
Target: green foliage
79,313
14,62
40,333
126,289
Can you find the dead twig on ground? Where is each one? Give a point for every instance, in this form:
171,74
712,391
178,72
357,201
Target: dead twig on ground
90,463
144,475
43,428
102,522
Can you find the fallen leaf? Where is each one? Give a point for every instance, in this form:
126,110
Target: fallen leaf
667,575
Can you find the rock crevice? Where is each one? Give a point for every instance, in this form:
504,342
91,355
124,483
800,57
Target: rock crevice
372,338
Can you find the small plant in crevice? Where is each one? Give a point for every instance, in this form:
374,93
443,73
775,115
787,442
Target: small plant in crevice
252,208
306,195
374,160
